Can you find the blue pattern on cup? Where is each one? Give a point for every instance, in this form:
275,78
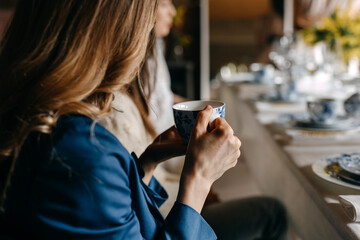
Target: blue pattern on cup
352,106
185,120
322,110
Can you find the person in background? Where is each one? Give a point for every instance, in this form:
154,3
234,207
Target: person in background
161,98
63,175
249,218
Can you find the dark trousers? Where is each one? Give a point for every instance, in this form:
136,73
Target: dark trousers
249,218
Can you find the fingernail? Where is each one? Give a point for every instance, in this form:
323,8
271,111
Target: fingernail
208,107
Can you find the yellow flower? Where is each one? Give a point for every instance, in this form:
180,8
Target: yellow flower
309,36
342,28
328,24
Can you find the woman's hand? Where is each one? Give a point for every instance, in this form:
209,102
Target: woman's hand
211,152
167,145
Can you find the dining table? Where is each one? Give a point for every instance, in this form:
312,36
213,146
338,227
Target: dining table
285,161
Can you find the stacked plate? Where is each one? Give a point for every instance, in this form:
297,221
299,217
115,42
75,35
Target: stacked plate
344,167
351,163
340,125
302,121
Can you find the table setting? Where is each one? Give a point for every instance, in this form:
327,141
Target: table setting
340,169
317,123
321,131
303,109
314,133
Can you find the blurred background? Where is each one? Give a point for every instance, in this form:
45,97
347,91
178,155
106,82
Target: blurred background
235,35
235,31
243,32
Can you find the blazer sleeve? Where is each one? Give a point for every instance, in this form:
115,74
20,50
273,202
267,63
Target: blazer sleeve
183,222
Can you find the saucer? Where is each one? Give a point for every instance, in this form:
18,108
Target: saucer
350,163
340,125
273,98
291,117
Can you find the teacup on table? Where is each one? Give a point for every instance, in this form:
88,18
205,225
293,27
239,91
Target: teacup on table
185,114
352,105
282,91
263,73
322,110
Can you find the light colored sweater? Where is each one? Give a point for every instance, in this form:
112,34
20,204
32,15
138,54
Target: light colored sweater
125,123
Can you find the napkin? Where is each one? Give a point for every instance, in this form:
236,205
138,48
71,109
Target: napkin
351,205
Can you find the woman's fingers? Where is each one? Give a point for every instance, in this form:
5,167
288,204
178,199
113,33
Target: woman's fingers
170,134
214,149
202,121
222,128
236,142
233,151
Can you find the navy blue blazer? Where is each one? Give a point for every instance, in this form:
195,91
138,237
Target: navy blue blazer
81,183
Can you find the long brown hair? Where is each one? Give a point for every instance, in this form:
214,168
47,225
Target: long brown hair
66,56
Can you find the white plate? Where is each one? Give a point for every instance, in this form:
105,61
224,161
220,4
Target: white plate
351,163
319,169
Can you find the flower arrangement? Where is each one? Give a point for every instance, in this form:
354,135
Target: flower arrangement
340,31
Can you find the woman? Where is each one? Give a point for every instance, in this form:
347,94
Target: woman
67,177
247,218
161,99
